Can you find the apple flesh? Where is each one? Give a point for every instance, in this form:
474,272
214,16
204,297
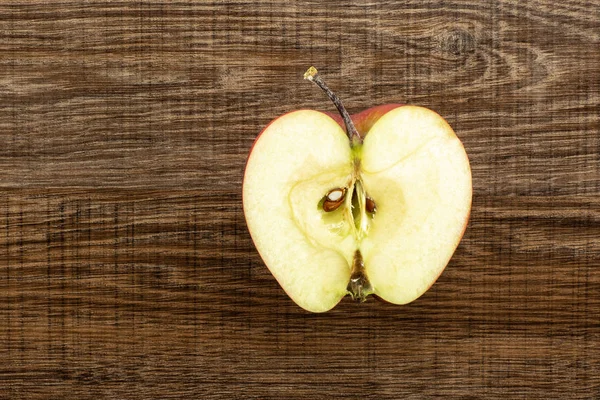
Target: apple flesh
333,214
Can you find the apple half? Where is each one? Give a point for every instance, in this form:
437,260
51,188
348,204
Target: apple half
376,208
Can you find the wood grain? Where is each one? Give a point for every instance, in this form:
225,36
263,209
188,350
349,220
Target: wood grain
126,269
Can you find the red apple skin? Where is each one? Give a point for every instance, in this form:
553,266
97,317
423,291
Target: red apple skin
363,121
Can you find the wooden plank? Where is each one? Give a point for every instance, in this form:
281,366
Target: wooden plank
126,268
112,288
153,95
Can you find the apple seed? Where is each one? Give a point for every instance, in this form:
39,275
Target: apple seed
370,205
334,199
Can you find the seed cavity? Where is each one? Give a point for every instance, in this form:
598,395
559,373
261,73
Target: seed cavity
334,199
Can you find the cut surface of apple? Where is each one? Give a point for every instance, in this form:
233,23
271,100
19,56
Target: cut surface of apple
331,215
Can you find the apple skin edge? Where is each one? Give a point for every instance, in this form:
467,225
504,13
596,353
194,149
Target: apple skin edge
363,121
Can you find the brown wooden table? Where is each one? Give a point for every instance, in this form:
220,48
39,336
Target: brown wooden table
126,269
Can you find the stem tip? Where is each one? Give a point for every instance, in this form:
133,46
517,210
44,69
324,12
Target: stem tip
310,73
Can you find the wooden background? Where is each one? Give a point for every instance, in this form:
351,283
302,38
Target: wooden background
126,269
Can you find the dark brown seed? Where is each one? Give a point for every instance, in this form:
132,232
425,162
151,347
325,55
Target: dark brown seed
370,205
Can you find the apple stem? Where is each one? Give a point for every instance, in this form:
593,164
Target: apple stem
313,75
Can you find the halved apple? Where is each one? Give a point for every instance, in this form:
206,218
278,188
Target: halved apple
379,210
